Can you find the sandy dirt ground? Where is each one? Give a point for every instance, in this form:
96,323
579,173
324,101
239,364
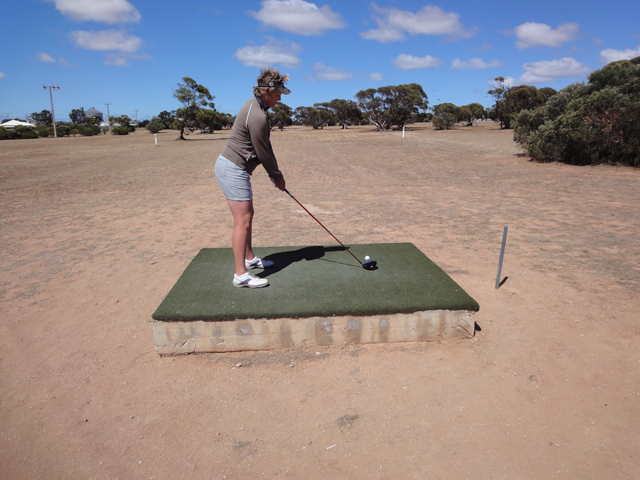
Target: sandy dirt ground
95,232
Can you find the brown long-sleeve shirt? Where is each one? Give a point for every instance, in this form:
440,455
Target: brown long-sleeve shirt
249,144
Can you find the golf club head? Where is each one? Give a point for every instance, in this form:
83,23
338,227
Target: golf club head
370,265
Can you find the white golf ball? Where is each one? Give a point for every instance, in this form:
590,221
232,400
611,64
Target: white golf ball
366,259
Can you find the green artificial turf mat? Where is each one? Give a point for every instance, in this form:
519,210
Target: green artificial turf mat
314,281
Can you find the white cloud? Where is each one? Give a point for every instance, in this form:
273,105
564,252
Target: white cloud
508,81
63,61
610,55
548,71
273,53
45,57
328,74
383,35
298,16
104,11
106,40
409,62
2,75
116,59
376,77
532,34
392,23
529,78
475,63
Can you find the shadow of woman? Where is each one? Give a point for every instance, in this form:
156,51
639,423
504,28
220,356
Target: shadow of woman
282,260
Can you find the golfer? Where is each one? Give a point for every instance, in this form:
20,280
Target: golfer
249,146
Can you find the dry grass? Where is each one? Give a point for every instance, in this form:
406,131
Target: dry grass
96,230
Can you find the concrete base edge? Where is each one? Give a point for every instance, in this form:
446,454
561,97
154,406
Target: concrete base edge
176,338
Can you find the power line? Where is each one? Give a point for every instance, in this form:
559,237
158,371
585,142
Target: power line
20,93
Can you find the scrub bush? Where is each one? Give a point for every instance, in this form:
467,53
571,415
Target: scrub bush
155,125
63,131
588,124
120,131
44,130
90,130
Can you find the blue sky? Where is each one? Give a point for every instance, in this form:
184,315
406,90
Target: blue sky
132,53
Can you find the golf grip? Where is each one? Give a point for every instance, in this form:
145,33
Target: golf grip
289,193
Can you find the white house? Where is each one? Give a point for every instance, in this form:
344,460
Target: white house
16,123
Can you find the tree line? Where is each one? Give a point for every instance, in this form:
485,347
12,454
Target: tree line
585,123
80,124
385,107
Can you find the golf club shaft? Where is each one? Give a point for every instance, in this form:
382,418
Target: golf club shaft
289,193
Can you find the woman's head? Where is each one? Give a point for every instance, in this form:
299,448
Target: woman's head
270,81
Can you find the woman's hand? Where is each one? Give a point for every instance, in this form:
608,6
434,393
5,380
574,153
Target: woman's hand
281,184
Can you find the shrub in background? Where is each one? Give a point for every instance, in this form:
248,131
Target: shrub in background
8,134
91,130
588,124
120,131
24,132
155,125
44,130
63,130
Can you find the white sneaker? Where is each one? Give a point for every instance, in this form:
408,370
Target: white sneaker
248,280
257,263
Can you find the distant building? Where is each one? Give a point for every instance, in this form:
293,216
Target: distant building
16,123
92,112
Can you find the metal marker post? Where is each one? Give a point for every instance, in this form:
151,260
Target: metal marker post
402,132
504,242
156,139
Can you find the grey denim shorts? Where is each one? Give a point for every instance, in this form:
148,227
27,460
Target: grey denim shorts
234,182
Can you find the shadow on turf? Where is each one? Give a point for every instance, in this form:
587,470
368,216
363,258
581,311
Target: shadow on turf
282,260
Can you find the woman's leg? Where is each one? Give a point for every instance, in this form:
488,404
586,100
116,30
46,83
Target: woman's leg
242,211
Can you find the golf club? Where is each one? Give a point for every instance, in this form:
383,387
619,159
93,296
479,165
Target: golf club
368,265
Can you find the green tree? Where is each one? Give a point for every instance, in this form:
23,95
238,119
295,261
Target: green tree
510,101
445,116
588,124
210,120
155,125
527,122
281,116
192,97
313,117
406,101
92,121
167,117
392,105
373,105
77,115
500,111
471,113
345,112
42,118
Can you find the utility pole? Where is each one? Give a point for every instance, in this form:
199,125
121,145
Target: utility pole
53,114
136,118
108,116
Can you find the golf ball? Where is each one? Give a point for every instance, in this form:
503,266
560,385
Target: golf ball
366,259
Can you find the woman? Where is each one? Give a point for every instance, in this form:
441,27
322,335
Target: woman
249,146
